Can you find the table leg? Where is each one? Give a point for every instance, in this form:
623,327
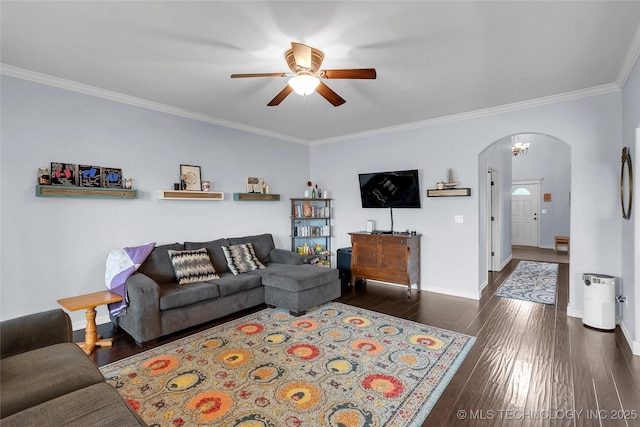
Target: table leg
91,338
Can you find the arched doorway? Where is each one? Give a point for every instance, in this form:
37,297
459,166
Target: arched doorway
547,161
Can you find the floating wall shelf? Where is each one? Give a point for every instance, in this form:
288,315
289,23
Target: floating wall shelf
449,192
88,192
256,196
190,195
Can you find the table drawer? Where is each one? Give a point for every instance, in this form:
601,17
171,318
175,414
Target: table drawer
392,240
364,238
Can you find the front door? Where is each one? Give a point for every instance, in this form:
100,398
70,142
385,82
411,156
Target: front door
524,214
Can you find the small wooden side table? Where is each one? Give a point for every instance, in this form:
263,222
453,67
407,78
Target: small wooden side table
562,241
89,302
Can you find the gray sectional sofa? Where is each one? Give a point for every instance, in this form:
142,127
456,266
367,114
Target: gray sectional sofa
159,305
46,380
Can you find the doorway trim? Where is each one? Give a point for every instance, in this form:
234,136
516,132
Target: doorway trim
493,220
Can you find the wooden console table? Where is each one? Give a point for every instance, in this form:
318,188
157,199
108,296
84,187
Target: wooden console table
89,302
391,258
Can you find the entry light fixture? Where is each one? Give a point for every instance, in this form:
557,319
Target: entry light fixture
518,147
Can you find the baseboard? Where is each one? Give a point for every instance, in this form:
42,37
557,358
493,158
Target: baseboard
482,287
504,264
572,312
634,345
453,293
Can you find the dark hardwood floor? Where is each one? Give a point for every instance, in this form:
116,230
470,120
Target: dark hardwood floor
531,365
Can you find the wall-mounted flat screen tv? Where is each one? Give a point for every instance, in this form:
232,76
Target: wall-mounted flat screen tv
399,189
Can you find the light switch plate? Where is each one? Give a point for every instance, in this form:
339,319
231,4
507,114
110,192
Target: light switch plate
458,219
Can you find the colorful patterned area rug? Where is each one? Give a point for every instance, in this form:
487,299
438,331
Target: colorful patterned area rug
337,365
532,281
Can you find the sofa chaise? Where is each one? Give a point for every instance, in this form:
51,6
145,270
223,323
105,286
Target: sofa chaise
159,305
46,380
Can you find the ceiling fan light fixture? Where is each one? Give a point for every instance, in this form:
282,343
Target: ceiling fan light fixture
304,84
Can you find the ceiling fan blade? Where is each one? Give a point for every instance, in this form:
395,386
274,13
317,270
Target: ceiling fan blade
281,96
351,73
302,54
330,95
236,76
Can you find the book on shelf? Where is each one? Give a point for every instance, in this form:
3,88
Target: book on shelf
316,211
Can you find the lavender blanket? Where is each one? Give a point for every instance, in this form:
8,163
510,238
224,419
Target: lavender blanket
120,264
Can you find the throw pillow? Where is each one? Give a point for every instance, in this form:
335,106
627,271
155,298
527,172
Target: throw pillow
192,266
241,258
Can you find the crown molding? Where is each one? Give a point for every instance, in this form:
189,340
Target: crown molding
547,100
36,77
21,73
630,60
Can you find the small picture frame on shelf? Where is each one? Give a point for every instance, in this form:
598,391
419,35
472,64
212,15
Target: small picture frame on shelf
254,184
111,177
89,176
191,176
64,174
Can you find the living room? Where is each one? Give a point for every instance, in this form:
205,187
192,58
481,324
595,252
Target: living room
55,247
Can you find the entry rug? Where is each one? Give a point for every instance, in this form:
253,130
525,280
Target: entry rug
532,281
335,366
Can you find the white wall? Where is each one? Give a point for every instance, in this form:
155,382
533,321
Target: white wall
550,160
54,248
630,230
429,151
451,252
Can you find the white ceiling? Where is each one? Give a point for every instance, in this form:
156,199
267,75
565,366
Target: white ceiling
433,59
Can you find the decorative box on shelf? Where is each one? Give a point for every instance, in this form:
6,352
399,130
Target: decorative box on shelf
190,195
256,196
86,192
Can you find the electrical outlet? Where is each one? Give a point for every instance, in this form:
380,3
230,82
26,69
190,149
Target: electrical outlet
458,219
622,299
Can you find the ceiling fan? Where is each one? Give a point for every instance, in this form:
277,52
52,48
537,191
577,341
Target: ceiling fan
304,62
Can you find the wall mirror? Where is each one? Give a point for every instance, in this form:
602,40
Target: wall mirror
626,183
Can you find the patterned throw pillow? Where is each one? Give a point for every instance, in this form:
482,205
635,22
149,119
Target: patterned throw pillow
241,258
192,266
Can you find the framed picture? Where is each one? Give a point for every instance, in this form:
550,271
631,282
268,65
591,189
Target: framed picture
89,176
64,174
191,177
254,184
111,178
